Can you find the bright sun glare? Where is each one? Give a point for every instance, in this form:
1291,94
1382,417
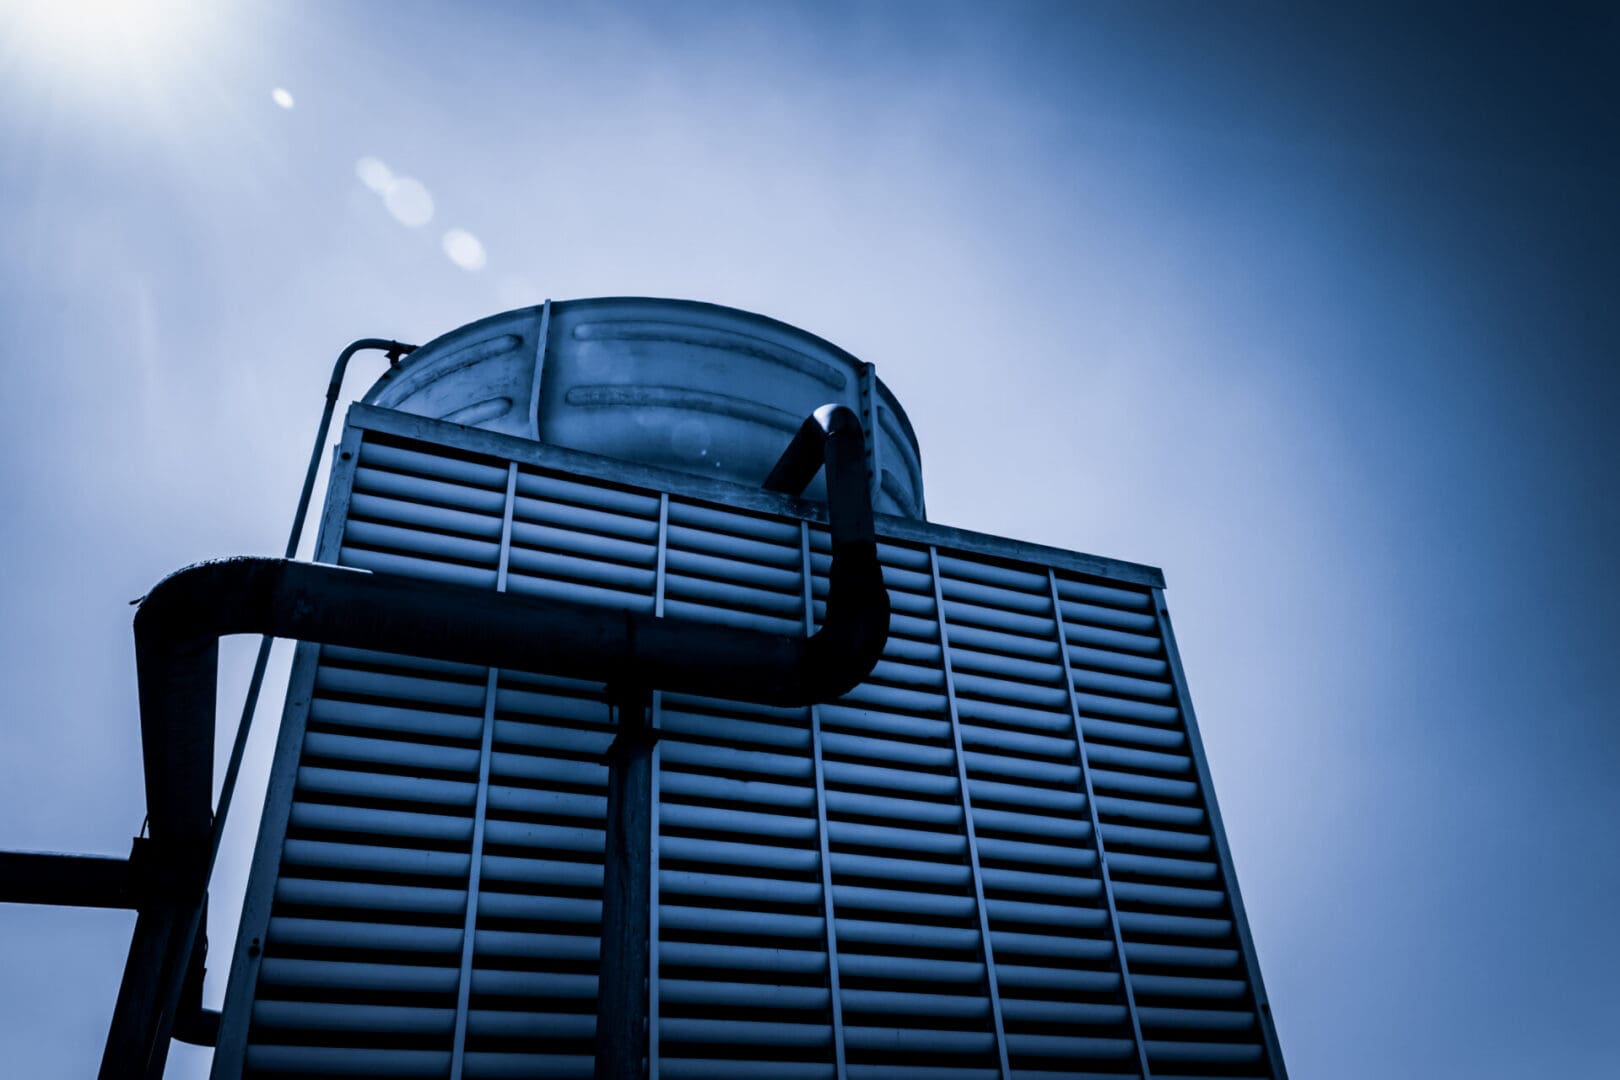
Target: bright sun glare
92,45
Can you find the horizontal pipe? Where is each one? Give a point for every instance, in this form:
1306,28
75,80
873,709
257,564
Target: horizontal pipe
38,877
179,624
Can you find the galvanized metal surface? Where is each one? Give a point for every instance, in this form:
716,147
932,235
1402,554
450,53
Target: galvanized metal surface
700,388
789,847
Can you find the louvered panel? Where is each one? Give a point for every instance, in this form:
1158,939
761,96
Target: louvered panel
739,893
581,543
1158,839
539,915
431,515
375,863
908,927
1064,1010
734,568
959,815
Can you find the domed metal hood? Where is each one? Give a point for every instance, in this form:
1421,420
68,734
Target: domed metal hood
704,389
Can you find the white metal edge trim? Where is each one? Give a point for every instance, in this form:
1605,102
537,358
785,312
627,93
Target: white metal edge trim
533,419
967,815
1240,918
1096,831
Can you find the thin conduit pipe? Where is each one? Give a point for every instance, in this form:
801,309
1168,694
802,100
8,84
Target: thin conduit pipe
395,351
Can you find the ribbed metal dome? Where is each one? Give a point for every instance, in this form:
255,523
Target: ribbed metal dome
696,387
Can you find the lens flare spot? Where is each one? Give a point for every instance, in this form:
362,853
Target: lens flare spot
283,97
374,174
464,249
408,201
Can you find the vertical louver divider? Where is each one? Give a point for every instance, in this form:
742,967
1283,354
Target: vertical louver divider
835,993
1185,967
914,994
481,809
1274,1066
653,996
1096,832
967,809
1058,975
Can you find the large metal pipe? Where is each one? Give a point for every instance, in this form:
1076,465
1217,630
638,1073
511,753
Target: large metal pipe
40,877
196,1024
179,624
830,438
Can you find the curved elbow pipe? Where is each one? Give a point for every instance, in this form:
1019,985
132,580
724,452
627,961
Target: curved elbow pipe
179,623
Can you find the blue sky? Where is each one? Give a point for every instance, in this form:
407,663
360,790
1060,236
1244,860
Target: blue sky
1315,311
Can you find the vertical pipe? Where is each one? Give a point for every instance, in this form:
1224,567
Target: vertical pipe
624,992
834,991
967,816
469,930
1096,830
145,1005
1240,919
621,998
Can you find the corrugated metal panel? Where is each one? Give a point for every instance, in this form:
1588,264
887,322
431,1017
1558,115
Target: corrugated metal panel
994,858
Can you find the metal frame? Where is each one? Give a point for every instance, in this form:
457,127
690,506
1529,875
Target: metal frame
1223,852
666,482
